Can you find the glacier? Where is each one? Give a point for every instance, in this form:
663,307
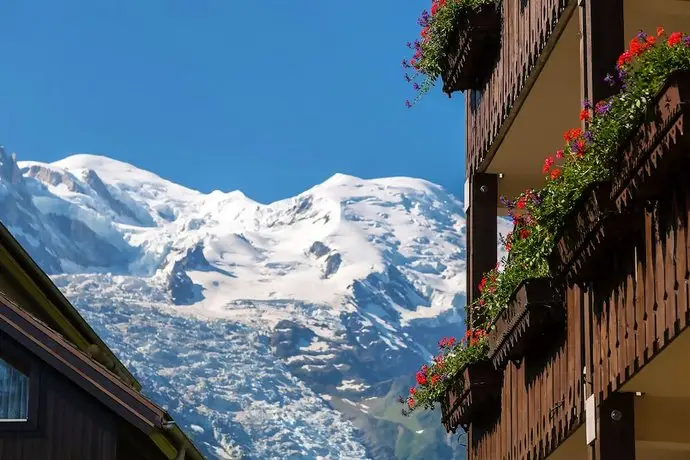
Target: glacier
268,330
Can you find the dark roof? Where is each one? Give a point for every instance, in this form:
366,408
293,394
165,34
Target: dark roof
68,348
65,318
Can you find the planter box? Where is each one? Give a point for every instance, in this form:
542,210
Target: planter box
644,161
473,396
472,50
536,308
582,232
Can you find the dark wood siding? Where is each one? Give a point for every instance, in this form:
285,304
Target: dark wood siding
70,424
643,305
541,399
528,25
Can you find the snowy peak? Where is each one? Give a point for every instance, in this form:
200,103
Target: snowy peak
316,246
332,293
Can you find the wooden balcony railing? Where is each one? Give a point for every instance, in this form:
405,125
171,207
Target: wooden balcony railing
640,299
527,27
541,400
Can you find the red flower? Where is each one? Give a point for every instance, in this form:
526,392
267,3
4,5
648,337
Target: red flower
434,379
555,174
635,47
624,59
413,391
674,38
659,31
450,341
559,154
572,134
548,163
521,202
482,284
651,40
421,378
524,233
584,115
410,403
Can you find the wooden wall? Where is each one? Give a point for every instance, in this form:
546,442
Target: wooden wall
527,26
643,305
541,398
68,423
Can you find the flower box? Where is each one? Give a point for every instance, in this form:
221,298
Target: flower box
472,397
535,309
576,246
654,148
472,50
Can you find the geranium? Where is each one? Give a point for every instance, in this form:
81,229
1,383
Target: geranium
430,50
452,358
538,215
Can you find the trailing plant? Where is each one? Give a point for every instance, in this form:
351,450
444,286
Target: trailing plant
431,49
434,380
539,215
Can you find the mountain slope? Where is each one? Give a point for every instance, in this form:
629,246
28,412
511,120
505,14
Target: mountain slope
270,331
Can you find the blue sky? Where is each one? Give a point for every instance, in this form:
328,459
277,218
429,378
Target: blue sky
267,97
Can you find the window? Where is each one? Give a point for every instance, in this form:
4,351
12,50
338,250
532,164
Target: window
20,379
14,394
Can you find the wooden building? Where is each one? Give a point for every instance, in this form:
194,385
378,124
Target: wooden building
614,382
63,393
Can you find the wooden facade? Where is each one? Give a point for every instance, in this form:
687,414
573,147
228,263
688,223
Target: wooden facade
530,29
75,400
580,394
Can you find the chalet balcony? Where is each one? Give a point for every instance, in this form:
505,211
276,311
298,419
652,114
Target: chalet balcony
533,95
615,287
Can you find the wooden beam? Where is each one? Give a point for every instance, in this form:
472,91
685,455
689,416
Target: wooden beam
482,231
603,40
616,428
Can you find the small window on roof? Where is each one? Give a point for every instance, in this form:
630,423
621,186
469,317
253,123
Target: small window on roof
14,394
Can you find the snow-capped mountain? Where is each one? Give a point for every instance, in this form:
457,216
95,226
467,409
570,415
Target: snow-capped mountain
269,331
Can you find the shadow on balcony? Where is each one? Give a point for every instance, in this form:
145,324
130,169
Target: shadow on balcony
551,107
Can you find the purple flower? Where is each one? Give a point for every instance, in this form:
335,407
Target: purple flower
621,74
405,64
586,105
642,36
423,20
602,108
409,45
507,202
588,136
610,79
407,104
686,40
415,86
537,199
408,78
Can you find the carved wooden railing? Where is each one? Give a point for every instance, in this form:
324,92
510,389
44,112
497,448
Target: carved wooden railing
472,397
640,300
529,320
528,25
541,399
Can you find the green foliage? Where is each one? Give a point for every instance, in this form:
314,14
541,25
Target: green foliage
431,49
539,215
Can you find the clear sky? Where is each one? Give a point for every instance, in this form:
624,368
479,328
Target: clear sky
267,97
